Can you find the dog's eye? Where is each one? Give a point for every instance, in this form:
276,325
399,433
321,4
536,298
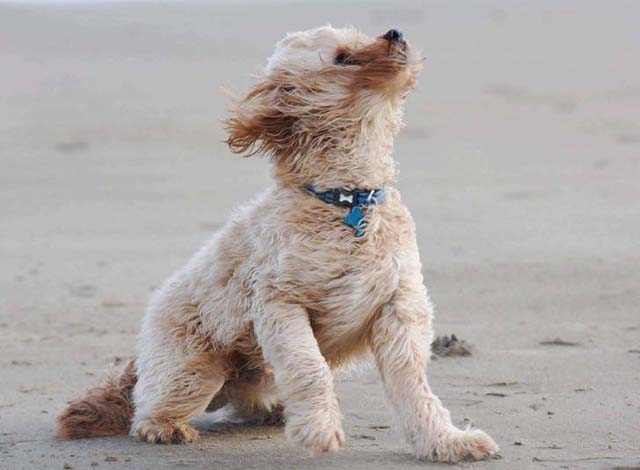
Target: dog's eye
343,58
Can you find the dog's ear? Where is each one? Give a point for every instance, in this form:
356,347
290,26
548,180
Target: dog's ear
260,122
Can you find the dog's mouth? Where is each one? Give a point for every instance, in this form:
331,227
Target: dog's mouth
389,46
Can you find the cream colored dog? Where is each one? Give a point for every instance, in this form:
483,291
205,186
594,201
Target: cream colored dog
287,290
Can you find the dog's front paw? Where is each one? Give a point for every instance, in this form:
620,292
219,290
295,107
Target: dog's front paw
165,433
318,433
458,445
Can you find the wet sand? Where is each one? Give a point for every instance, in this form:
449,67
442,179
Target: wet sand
520,162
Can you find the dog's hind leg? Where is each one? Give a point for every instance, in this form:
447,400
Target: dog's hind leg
400,338
250,390
253,403
166,401
256,400
179,374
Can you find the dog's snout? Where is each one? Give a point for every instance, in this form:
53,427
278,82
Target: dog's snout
393,35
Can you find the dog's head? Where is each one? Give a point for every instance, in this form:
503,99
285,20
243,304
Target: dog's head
321,91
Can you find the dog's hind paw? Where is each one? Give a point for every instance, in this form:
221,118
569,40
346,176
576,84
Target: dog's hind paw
459,445
165,433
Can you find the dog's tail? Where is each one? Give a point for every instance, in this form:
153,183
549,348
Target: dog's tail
105,410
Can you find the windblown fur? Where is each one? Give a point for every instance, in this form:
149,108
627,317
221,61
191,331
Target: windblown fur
284,293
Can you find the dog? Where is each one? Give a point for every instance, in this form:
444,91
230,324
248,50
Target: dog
317,272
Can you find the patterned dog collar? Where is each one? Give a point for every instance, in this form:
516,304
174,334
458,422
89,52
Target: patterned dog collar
356,199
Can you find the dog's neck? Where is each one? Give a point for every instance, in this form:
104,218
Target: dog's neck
359,157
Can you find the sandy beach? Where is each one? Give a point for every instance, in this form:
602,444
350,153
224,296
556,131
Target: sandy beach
520,162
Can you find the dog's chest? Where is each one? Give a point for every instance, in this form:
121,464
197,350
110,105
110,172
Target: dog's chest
371,281
342,279
341,319
358,284
346,276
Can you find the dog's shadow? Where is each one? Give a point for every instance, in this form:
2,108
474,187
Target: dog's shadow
226,421
225,424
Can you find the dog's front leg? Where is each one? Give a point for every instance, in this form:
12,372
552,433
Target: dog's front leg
302,377
400,339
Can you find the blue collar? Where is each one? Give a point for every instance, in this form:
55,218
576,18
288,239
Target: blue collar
356,199
346,198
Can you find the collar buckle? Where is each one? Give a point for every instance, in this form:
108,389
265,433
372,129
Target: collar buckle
355,199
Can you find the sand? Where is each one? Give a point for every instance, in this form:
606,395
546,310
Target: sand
520,162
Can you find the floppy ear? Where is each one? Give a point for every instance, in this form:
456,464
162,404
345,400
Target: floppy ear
260,123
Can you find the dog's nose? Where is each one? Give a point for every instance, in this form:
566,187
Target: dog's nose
393,35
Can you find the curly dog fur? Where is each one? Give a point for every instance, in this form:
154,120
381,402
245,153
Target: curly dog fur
285,292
